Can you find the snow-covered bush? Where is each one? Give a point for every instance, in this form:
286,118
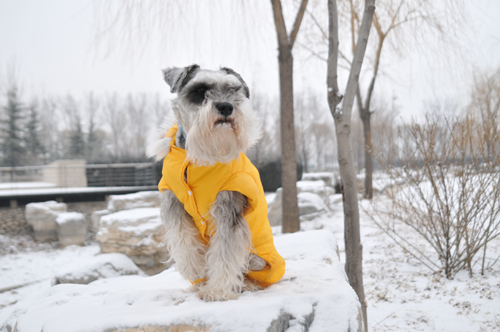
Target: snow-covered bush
446,187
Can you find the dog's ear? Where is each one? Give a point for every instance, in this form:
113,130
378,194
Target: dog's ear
232,72
177,78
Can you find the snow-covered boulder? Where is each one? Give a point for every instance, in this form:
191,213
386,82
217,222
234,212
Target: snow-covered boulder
71,228
143,199
116,203
42,217
313,296
318,187
95,218
99,267
328,177
136,233
313,198
310,205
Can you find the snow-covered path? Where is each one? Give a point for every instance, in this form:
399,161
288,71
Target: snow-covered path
402,294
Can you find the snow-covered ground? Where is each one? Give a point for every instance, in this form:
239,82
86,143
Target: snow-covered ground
402,294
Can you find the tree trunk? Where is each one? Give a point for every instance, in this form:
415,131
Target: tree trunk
290,209
342,117
291,222
367,140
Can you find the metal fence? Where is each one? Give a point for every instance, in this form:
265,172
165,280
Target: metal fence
61,175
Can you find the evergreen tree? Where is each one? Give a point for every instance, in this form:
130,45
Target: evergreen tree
12,143
76,142
34,146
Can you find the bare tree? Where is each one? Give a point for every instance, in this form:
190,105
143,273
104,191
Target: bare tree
342,118
291,222
117,122
485,107
401,25
446,189
137,125
267,149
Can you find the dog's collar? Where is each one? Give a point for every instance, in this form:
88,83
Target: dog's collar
182,131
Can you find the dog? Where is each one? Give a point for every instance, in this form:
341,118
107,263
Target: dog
212,201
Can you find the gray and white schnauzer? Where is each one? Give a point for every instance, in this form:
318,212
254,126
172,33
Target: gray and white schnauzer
212,200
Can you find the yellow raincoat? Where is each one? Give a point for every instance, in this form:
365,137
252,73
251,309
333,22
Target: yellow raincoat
201,189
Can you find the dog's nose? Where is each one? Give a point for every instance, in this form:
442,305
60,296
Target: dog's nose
225,109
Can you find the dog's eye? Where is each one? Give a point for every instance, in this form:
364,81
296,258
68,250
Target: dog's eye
234,89
197,94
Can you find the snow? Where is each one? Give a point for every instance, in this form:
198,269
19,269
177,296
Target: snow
314,285
311,199
98,267
75,190
401,293
26,185
311,185
66,217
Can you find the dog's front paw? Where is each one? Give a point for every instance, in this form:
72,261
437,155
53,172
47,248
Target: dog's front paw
193,288
209,294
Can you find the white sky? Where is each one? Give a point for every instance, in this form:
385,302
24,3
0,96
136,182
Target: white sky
52,45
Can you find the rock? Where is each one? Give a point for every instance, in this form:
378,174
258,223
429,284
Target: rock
71,228
274,213
99,267
317,187
136,233
143,199
327,177
311,201
95,218
42,217
313,296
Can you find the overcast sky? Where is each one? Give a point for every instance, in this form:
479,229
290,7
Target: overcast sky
52,44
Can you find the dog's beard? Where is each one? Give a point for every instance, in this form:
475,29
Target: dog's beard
214,139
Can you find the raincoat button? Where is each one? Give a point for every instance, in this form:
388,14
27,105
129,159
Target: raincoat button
189,193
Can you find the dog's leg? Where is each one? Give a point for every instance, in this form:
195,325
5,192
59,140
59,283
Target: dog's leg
182,238
228,253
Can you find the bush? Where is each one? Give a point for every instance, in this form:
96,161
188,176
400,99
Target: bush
448,191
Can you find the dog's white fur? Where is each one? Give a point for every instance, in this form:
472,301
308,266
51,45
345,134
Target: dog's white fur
224,262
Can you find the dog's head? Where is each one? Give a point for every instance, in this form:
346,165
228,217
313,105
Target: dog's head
214,112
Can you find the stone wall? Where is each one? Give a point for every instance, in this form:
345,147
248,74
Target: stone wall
13,222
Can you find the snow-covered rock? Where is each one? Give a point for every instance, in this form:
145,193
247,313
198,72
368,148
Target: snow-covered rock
71,228
42,217
143,199
317,187
116,203
328,177
99,267
313,198
95,218
313,295
136,233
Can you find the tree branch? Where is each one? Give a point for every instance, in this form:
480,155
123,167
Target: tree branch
298,21
334,97
359,54
279,22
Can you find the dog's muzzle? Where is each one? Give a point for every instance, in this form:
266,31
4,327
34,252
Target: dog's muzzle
225,110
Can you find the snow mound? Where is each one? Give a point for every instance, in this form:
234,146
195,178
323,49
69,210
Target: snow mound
99,267
313,295
143,199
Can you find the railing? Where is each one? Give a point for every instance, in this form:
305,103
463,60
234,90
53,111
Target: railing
63,174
